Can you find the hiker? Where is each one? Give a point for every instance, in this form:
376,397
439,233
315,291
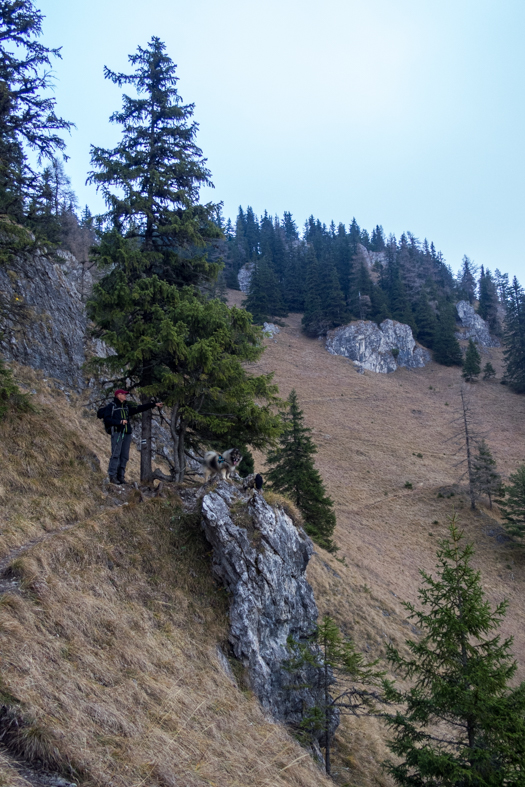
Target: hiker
117,416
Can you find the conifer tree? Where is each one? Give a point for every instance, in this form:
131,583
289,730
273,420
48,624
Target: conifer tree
488,300
313,319
156,234
338,674
488,371
446,347
425,320
264,297
514,338
12,400
512,503
28,120
293,473
485,478
196,349
461,722
472,362
467,280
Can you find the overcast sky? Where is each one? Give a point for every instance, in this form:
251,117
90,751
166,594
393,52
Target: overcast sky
405,113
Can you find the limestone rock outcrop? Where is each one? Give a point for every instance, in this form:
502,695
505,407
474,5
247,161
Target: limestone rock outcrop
260,555
472,326
43,318
377,348
245,276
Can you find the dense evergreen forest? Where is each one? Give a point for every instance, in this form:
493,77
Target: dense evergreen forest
335,274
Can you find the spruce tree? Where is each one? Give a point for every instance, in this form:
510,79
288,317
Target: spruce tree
156,230
425,320
488,371
264,297
514,338
338,674
460,723
12,400
446,349
313,319
512,503
488,300
485,478
196,349
28,120
467,280
293,473
472,362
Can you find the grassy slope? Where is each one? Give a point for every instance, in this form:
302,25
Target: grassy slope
117,665
369,429
109,661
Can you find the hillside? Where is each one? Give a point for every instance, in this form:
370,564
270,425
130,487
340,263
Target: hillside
369,429
111,628
109,618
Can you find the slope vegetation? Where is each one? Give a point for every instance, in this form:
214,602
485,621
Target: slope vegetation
376,433
112,631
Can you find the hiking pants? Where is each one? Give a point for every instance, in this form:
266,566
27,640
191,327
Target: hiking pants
120,443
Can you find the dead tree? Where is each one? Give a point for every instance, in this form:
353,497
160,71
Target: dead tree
466,436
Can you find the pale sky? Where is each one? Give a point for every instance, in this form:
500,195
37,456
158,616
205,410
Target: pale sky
405,113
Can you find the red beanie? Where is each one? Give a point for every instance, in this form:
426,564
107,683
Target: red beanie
120,390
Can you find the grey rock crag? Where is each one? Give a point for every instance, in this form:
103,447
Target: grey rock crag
472,326
42,315
245,276
261,558
377,348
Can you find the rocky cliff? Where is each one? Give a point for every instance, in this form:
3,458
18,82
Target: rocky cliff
472,326
261,556
377,348
42,315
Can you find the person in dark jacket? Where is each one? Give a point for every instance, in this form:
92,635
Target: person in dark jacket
117,415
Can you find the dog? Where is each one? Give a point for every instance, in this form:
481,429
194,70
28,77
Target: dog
221,464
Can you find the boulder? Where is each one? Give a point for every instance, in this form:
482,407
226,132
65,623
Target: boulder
472,326
377,348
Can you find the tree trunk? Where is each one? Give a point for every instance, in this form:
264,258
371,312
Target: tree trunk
469,452
177,435
182,454
146,470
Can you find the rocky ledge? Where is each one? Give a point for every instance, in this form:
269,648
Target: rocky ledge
260,555
377,348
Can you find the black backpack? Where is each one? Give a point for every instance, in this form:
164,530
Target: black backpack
104,413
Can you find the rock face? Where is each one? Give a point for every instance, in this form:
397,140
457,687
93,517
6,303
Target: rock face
378,349
370,257
245,275
472,326
261,557
43,316
269,329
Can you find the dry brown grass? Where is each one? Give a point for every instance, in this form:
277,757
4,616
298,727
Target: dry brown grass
109,656
110,649
369,429
109,663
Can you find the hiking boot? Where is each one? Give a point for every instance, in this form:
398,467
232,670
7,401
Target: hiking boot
122,480
113,480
